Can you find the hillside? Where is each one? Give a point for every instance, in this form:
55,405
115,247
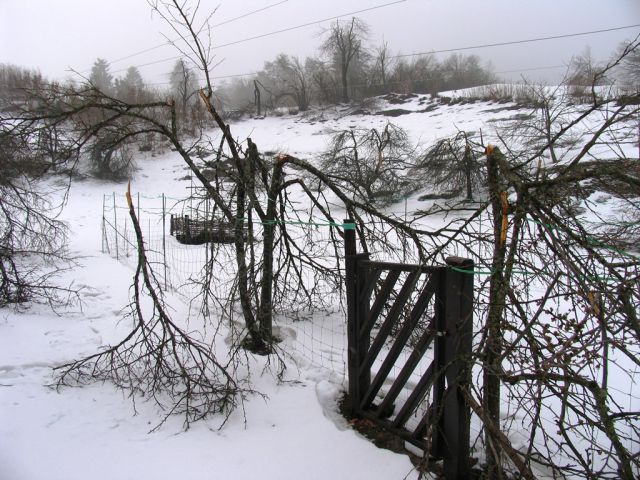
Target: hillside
290,428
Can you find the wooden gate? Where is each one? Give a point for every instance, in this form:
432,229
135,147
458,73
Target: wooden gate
396,313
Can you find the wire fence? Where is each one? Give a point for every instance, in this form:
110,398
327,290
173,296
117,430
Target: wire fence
315,338
318,338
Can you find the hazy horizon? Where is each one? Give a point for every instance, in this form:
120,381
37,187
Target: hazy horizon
57,37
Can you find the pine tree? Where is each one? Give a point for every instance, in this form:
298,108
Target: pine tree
100,77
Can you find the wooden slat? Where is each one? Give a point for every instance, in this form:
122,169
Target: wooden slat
388,425
371,280
416,396
400,342
410,365
392,317
381,300
420,431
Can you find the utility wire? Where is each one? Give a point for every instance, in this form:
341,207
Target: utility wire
530,69
276,32
170,42
515,42
309,24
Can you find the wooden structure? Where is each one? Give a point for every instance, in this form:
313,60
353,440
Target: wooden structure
396,312
196,232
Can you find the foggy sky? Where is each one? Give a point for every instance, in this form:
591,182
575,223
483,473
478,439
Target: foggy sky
57,35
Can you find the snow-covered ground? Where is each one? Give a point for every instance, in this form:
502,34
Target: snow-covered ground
94,432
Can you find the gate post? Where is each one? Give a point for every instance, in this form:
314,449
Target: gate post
357,313
352,315
453,424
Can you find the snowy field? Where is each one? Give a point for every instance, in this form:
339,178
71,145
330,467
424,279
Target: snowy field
96,432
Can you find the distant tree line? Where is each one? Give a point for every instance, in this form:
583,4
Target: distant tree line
348,68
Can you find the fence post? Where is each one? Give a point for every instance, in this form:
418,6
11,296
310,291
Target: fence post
104,227
454,422
164,242
115,224
352,326
207,232
357,312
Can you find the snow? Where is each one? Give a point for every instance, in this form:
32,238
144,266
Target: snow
94,431
98,432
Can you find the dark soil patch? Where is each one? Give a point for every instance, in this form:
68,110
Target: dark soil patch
395,112
381,438
506,108
360,111
430,108
399,98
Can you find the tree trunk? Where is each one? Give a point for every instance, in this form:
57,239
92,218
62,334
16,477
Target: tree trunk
497,296
256,93
468,170
257,342
265,312
344,68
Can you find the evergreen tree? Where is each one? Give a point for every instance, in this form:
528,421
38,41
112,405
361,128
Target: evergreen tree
100,77
129,87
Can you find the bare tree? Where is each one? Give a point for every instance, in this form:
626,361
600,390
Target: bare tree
323,79
559,299
33,248
183,85
254,201
16,83
109,156
630,65
383,65
422,75
344,43
288,77
463,71
585,71
453,164
370,165
160,358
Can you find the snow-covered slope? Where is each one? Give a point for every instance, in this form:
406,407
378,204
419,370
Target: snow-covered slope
94,432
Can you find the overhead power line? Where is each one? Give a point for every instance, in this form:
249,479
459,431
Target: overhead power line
170,42
315,22
275,32
531,69
515,42
219,77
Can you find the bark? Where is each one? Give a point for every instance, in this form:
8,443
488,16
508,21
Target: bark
498,289
265,312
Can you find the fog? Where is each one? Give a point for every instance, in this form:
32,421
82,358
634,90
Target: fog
64,36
